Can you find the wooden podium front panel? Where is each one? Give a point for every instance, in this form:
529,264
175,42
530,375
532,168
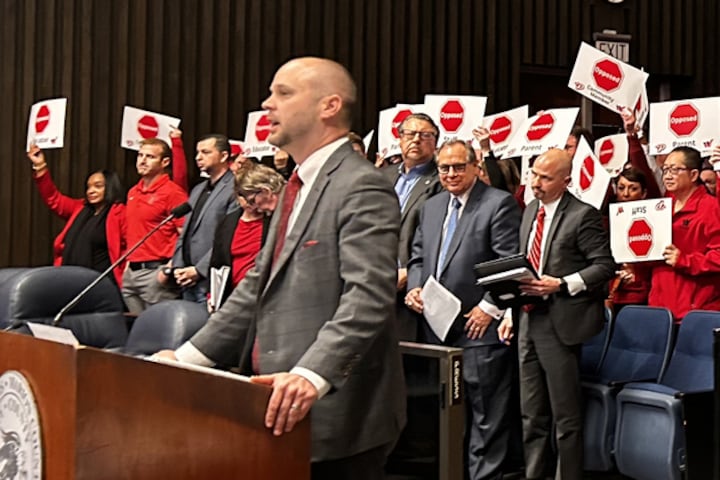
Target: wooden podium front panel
143,420
49,367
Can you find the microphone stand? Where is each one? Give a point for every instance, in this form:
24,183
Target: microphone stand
58,318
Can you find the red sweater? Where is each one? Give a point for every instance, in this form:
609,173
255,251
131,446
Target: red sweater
68,209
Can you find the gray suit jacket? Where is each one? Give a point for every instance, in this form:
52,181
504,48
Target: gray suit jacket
220,202
328,305
488,229
576,242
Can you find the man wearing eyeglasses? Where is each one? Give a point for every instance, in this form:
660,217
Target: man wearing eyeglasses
690,277
415,180
467,224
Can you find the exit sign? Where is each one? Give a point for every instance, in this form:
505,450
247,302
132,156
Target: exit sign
614,44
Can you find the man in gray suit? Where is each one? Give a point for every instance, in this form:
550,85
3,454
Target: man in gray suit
211,200
566,240
415,180
468,224
318,308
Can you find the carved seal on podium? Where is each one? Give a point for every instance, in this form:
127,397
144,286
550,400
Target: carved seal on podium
20,433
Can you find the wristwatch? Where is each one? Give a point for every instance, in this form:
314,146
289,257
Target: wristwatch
563,285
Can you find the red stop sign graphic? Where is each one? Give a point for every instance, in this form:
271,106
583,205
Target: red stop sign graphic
262,128
684,120
397,120
540,127
147,127
587,173
236,149
640,237
451,116
500,129
42,119
606,152
607,75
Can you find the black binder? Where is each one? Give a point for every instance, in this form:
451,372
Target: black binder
505,289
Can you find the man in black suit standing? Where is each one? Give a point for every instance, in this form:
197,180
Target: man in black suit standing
565,240
415,180
468,224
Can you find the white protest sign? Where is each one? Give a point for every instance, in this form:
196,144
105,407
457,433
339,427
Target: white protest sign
640,231
685,123
138,124
642,107
456,115
543,131
606,80
388,123
46,124
367,140
257,131
612,152
589,180
502,126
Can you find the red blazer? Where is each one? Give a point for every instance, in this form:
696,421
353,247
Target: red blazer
68,209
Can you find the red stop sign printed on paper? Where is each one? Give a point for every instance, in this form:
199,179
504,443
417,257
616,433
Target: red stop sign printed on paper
147,126
607,149
500,129
42,119
587,173
540,127
452,115
684,120
607,75
262,128
640,237
397,120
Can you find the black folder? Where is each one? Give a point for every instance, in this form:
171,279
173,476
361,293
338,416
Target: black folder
501,278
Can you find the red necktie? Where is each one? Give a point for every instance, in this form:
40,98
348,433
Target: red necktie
535,252
291,190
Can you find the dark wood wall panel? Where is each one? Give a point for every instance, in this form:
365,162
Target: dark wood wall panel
210,62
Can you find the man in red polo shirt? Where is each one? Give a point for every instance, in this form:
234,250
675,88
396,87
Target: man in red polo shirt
149,202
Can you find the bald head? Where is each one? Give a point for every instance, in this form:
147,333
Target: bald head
551,175
558,160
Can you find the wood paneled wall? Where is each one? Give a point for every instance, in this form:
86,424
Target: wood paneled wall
209,62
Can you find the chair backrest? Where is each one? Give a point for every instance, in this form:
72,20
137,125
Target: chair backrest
594,350
640,345
691,366
165,325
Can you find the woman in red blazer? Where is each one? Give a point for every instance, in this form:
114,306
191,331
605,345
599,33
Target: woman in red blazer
94,235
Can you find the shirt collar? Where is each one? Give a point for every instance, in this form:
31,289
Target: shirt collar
157,183
415,171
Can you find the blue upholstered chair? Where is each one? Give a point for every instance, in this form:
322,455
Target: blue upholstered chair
165,325
639,350
664,430
595,349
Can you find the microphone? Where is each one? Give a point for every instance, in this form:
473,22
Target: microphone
177,212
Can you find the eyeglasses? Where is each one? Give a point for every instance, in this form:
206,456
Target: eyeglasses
250,199
458,167
410,134
673,170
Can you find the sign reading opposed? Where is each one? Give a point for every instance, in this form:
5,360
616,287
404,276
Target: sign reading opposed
612,152
546,130
606,80
137,125
388,124
257,130
640,231
589,179
685,123
46,125
456,115
502,126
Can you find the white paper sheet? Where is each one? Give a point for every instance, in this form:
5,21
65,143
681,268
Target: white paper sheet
440,307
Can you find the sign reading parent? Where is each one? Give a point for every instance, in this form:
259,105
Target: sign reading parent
538,134
456,115
388,123
606,80
502,126
257,131
46,126
640,231
684,123
612,152
590,180
138,125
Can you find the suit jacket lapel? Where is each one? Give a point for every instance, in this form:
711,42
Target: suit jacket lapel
433,233
213,196
419,188
557,218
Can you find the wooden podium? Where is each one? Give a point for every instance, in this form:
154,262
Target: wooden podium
105,415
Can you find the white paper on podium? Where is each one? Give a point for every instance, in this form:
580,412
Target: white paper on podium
54,334
440,307
197,368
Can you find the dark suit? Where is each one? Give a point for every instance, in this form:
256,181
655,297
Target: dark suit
550,335
426,186
487,229
327,305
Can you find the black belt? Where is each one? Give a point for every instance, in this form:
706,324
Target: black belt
151,264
